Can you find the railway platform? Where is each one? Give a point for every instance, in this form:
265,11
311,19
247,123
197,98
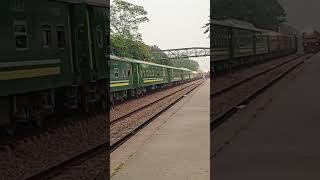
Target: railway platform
276,136
174,146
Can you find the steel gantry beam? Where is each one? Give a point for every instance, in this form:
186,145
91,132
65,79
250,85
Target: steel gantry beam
183,53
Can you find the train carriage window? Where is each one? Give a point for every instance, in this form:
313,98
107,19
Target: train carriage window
129,72
61,39
18,5
21,35
46,36
116,72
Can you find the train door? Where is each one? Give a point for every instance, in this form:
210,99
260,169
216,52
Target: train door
90,64
81,40
136,75
168,74
97,20
164,75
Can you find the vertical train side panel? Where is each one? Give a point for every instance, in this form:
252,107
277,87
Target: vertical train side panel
97,20
98,41
83,60
88,25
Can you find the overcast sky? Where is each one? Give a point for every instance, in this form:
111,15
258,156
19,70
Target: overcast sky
303,14
176,24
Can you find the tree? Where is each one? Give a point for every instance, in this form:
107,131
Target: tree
268,14
157,55
125,19
123,47
125,40
186,63
207,28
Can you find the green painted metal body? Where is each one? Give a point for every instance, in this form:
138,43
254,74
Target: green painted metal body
121,76
37,67
34,61
151,74
177,75
89,46
142,74
186,74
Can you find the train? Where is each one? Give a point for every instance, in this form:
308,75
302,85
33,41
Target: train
52,59
235,43
133,78
311,42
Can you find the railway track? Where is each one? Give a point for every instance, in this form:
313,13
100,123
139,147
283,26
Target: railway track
125,127
260,80
41,155
58,169
104,149
266,70
113,121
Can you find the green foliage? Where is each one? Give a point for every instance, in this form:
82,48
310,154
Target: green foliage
207,28
186,63
157,55
135,49
266,14
125,40
123,47
125,19
207,25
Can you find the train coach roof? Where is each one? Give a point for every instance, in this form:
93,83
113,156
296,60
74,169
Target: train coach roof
238,24
185,69
154,64
235,23
143,62
121,59
102,3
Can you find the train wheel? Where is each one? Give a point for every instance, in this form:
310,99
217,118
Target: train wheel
85,103
122,99
36,118
137,93
38,122
11,129
103,103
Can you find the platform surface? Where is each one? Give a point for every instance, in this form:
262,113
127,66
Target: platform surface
277,136
180,147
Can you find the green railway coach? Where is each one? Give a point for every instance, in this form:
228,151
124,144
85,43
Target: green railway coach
52,57
130,77
151,74
121,77
186,74
177,75
236,43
